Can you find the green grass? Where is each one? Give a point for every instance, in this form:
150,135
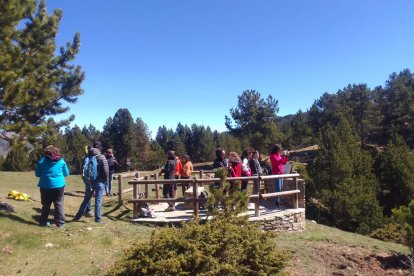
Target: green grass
82,248
87,248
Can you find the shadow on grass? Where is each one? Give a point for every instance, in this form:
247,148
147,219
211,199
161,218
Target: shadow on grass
14,217
114,209
75,193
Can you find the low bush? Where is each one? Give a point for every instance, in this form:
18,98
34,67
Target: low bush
225,245
389,233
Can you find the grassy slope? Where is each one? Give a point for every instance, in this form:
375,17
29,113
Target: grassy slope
87,248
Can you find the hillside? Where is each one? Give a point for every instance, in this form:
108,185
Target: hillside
90,249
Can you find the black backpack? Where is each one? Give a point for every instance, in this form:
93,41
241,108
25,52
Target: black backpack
203,204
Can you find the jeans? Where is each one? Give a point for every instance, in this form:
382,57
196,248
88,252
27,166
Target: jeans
167,192
108,188
244,184
99,190
56,196
278,188
185,186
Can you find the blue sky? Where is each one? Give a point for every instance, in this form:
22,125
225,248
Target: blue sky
187,61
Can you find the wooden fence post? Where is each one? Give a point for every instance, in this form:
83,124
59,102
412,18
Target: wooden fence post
146,187
135,195
157,194
119,190
256,200
195,194
296,204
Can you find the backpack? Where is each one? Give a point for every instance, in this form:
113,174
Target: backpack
90,170
203,195
145,210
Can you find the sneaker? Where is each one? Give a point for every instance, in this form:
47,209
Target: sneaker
60,226
45,225
170,209
88,214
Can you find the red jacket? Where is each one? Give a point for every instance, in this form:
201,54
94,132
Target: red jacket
236,169
278,162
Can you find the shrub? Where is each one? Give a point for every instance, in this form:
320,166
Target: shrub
225,245
390,232
405,217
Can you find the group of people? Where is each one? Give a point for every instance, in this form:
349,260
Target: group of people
248,165
175,168
52,170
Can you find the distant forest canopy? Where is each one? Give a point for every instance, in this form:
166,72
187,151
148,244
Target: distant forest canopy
373,115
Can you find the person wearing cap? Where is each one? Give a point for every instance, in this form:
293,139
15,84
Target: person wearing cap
169,173
110,158
98,186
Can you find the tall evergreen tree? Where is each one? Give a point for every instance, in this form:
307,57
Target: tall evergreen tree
343,181
143,144
396,101
124,134
75,148
395,170
35,79
301,132
254,120
202,144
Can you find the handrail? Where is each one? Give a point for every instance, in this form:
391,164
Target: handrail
195,181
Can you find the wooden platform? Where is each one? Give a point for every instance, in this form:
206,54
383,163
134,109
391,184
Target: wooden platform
267,213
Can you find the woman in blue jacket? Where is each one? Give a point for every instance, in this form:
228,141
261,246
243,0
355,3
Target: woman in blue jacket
52,170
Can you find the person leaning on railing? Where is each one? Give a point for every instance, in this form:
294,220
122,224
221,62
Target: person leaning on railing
278,158
169,173
186,171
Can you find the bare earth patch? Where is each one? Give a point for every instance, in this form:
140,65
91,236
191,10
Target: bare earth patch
335,259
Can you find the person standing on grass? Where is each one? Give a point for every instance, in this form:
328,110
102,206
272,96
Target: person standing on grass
98,185
278,159
110,158
52,170
169,173
186,171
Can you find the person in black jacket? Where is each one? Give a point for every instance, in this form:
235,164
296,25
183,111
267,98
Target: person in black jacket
112,162
220,160
169,173
256,170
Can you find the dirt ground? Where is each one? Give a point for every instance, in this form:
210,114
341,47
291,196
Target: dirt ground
335,259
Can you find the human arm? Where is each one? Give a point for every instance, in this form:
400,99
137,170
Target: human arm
65,169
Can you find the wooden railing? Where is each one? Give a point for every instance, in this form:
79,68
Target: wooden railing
136,201
121,178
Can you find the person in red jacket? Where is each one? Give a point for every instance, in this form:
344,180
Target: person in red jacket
178,169
278,159
235,168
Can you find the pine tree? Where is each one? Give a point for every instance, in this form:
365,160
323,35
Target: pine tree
124,134
143,144
254,120
395,170
396,101
35,81
343,181
75,148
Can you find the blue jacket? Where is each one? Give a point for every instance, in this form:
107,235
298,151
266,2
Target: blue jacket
52,173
